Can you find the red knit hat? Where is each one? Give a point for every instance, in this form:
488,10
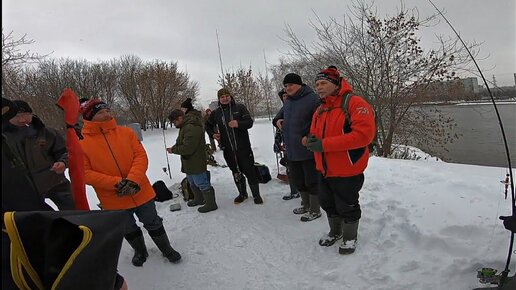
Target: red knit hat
91,107
330,74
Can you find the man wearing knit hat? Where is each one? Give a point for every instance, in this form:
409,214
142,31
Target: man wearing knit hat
229,124
44,153
339,136
115,165
294,120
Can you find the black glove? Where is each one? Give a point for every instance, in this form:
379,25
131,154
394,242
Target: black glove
127,187
509,222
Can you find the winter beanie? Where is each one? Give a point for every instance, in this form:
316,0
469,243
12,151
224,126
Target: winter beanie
23,107
175,114
222,92
292,78
187,104
91,107
330,74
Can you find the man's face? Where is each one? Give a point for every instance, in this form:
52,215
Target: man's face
291,89
325,88
21,119
178,122
102,116
225,99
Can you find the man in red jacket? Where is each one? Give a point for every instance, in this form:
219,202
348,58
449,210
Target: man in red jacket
341,154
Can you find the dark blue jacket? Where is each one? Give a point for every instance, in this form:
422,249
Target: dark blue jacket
297,112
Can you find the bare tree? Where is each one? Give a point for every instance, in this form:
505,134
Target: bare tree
384,61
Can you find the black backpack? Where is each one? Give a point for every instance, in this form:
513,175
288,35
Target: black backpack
162,191
262,172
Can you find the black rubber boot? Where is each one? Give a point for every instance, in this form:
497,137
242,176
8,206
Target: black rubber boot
211,204
198,197
335,233
255,189
137,242
349,238
241,185
160,238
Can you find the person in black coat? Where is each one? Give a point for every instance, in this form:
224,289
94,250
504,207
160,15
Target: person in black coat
229,124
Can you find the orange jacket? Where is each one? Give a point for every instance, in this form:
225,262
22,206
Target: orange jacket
108,150
338,158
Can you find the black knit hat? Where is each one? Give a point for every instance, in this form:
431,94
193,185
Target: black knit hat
23,107
292,78
175,114
187,104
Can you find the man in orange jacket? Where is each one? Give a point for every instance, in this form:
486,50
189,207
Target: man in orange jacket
115,163
340,146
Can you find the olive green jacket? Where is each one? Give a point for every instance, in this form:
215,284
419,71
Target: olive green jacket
190,144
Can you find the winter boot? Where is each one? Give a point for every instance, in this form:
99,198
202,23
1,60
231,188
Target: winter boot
305,199
255,189
291,196
349,237
160,238
198,197
211,204
241,185
335,233
314,211
137,242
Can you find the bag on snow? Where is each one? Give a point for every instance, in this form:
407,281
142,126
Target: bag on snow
162,191
262,172
186,190
65,249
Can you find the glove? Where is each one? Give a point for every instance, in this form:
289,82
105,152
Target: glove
314,144
509,222
127,187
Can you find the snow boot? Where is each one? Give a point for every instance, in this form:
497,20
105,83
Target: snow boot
314,211
335,233
211,204
137,242
241,185
255,189
305,199
160,238
291,196
198,197
349,237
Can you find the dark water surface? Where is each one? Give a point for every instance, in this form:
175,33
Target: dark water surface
481,142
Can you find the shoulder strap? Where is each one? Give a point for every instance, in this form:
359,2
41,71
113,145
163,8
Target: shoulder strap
345,106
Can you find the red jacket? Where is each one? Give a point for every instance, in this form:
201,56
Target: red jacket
344,154
103,163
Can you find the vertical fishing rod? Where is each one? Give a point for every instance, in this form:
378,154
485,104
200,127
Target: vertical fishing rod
220,59
513,207
166,153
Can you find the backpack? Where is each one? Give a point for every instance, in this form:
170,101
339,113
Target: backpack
347,123
162,191
262,172
186,190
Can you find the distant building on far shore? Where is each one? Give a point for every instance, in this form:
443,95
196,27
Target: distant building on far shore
470,84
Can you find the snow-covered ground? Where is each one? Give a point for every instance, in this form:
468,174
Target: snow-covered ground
425,224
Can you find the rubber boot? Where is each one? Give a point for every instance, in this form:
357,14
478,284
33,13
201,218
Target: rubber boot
137,242
335,233
315,210
211,204
255,190
241,185
198,197
160,238
349,238
305,199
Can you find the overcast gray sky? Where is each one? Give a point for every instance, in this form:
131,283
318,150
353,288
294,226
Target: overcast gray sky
184,31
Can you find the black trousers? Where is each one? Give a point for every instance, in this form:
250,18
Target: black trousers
304,175
245,161
339,196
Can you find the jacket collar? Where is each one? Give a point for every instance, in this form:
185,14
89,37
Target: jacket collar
93,128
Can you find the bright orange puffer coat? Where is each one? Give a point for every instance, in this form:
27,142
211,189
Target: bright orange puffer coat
110,153
344,154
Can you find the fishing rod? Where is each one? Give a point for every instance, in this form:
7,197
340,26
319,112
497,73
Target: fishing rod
505,272
166,153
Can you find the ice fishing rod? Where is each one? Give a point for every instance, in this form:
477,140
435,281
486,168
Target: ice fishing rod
166,153
513,207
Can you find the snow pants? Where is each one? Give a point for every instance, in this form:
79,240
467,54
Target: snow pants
304,175
338,196
245,161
